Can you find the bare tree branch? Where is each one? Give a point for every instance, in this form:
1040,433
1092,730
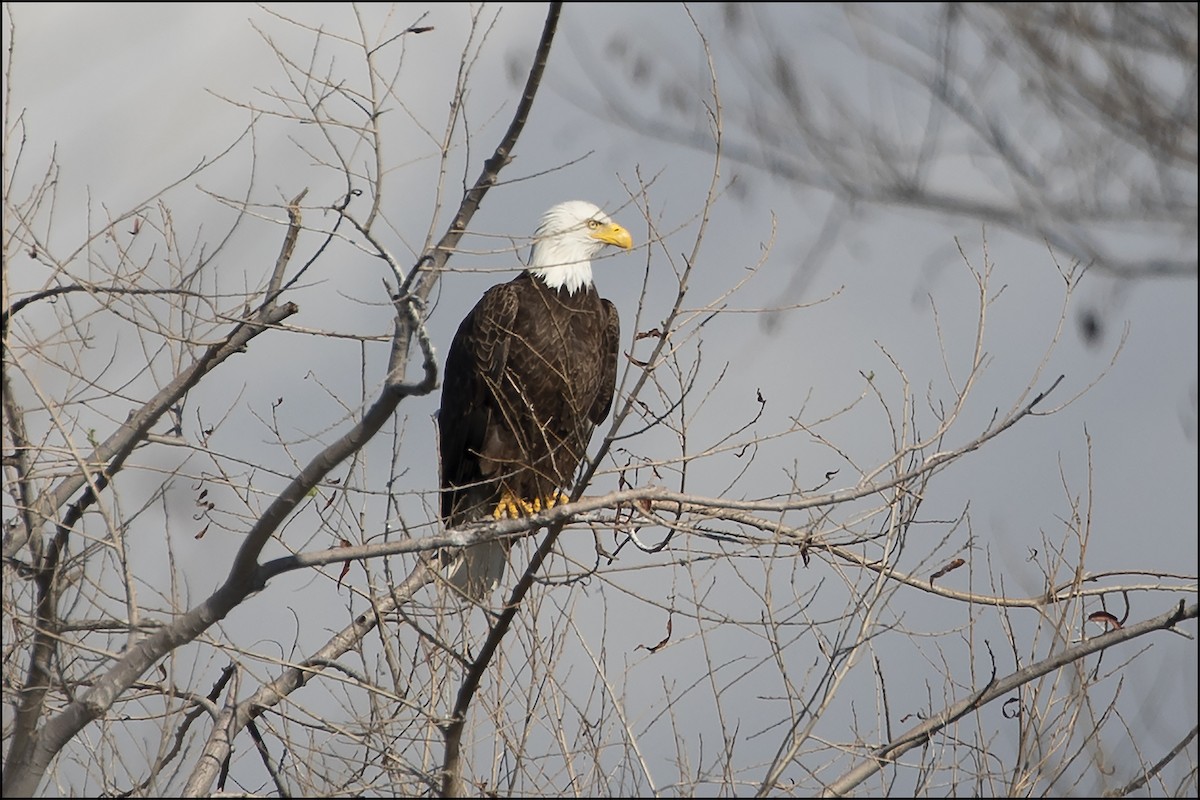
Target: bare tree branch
996,688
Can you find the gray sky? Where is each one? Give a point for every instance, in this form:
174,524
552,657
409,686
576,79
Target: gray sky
129,97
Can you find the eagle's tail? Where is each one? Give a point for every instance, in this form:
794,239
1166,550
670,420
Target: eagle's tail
472,572
476,570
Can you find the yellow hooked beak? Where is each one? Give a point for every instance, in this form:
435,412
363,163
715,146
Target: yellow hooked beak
612,233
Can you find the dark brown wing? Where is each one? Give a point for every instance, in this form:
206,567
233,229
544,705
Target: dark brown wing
610,347
477,357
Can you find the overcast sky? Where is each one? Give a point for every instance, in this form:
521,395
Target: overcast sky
133,96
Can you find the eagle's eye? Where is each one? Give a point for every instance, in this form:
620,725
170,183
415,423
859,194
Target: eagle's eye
593,224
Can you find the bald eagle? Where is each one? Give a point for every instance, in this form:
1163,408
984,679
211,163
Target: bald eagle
530,373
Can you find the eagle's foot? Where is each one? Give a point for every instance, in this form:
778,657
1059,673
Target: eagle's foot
550,501
512,507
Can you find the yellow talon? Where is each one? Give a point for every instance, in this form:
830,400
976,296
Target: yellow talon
549,501
511,506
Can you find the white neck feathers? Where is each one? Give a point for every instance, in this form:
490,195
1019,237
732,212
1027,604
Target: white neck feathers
571,277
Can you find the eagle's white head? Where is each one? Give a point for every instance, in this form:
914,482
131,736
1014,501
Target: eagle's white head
569,235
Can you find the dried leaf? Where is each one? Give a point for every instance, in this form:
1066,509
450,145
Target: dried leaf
1011,708
1104,618
666,639
345,565
953,565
